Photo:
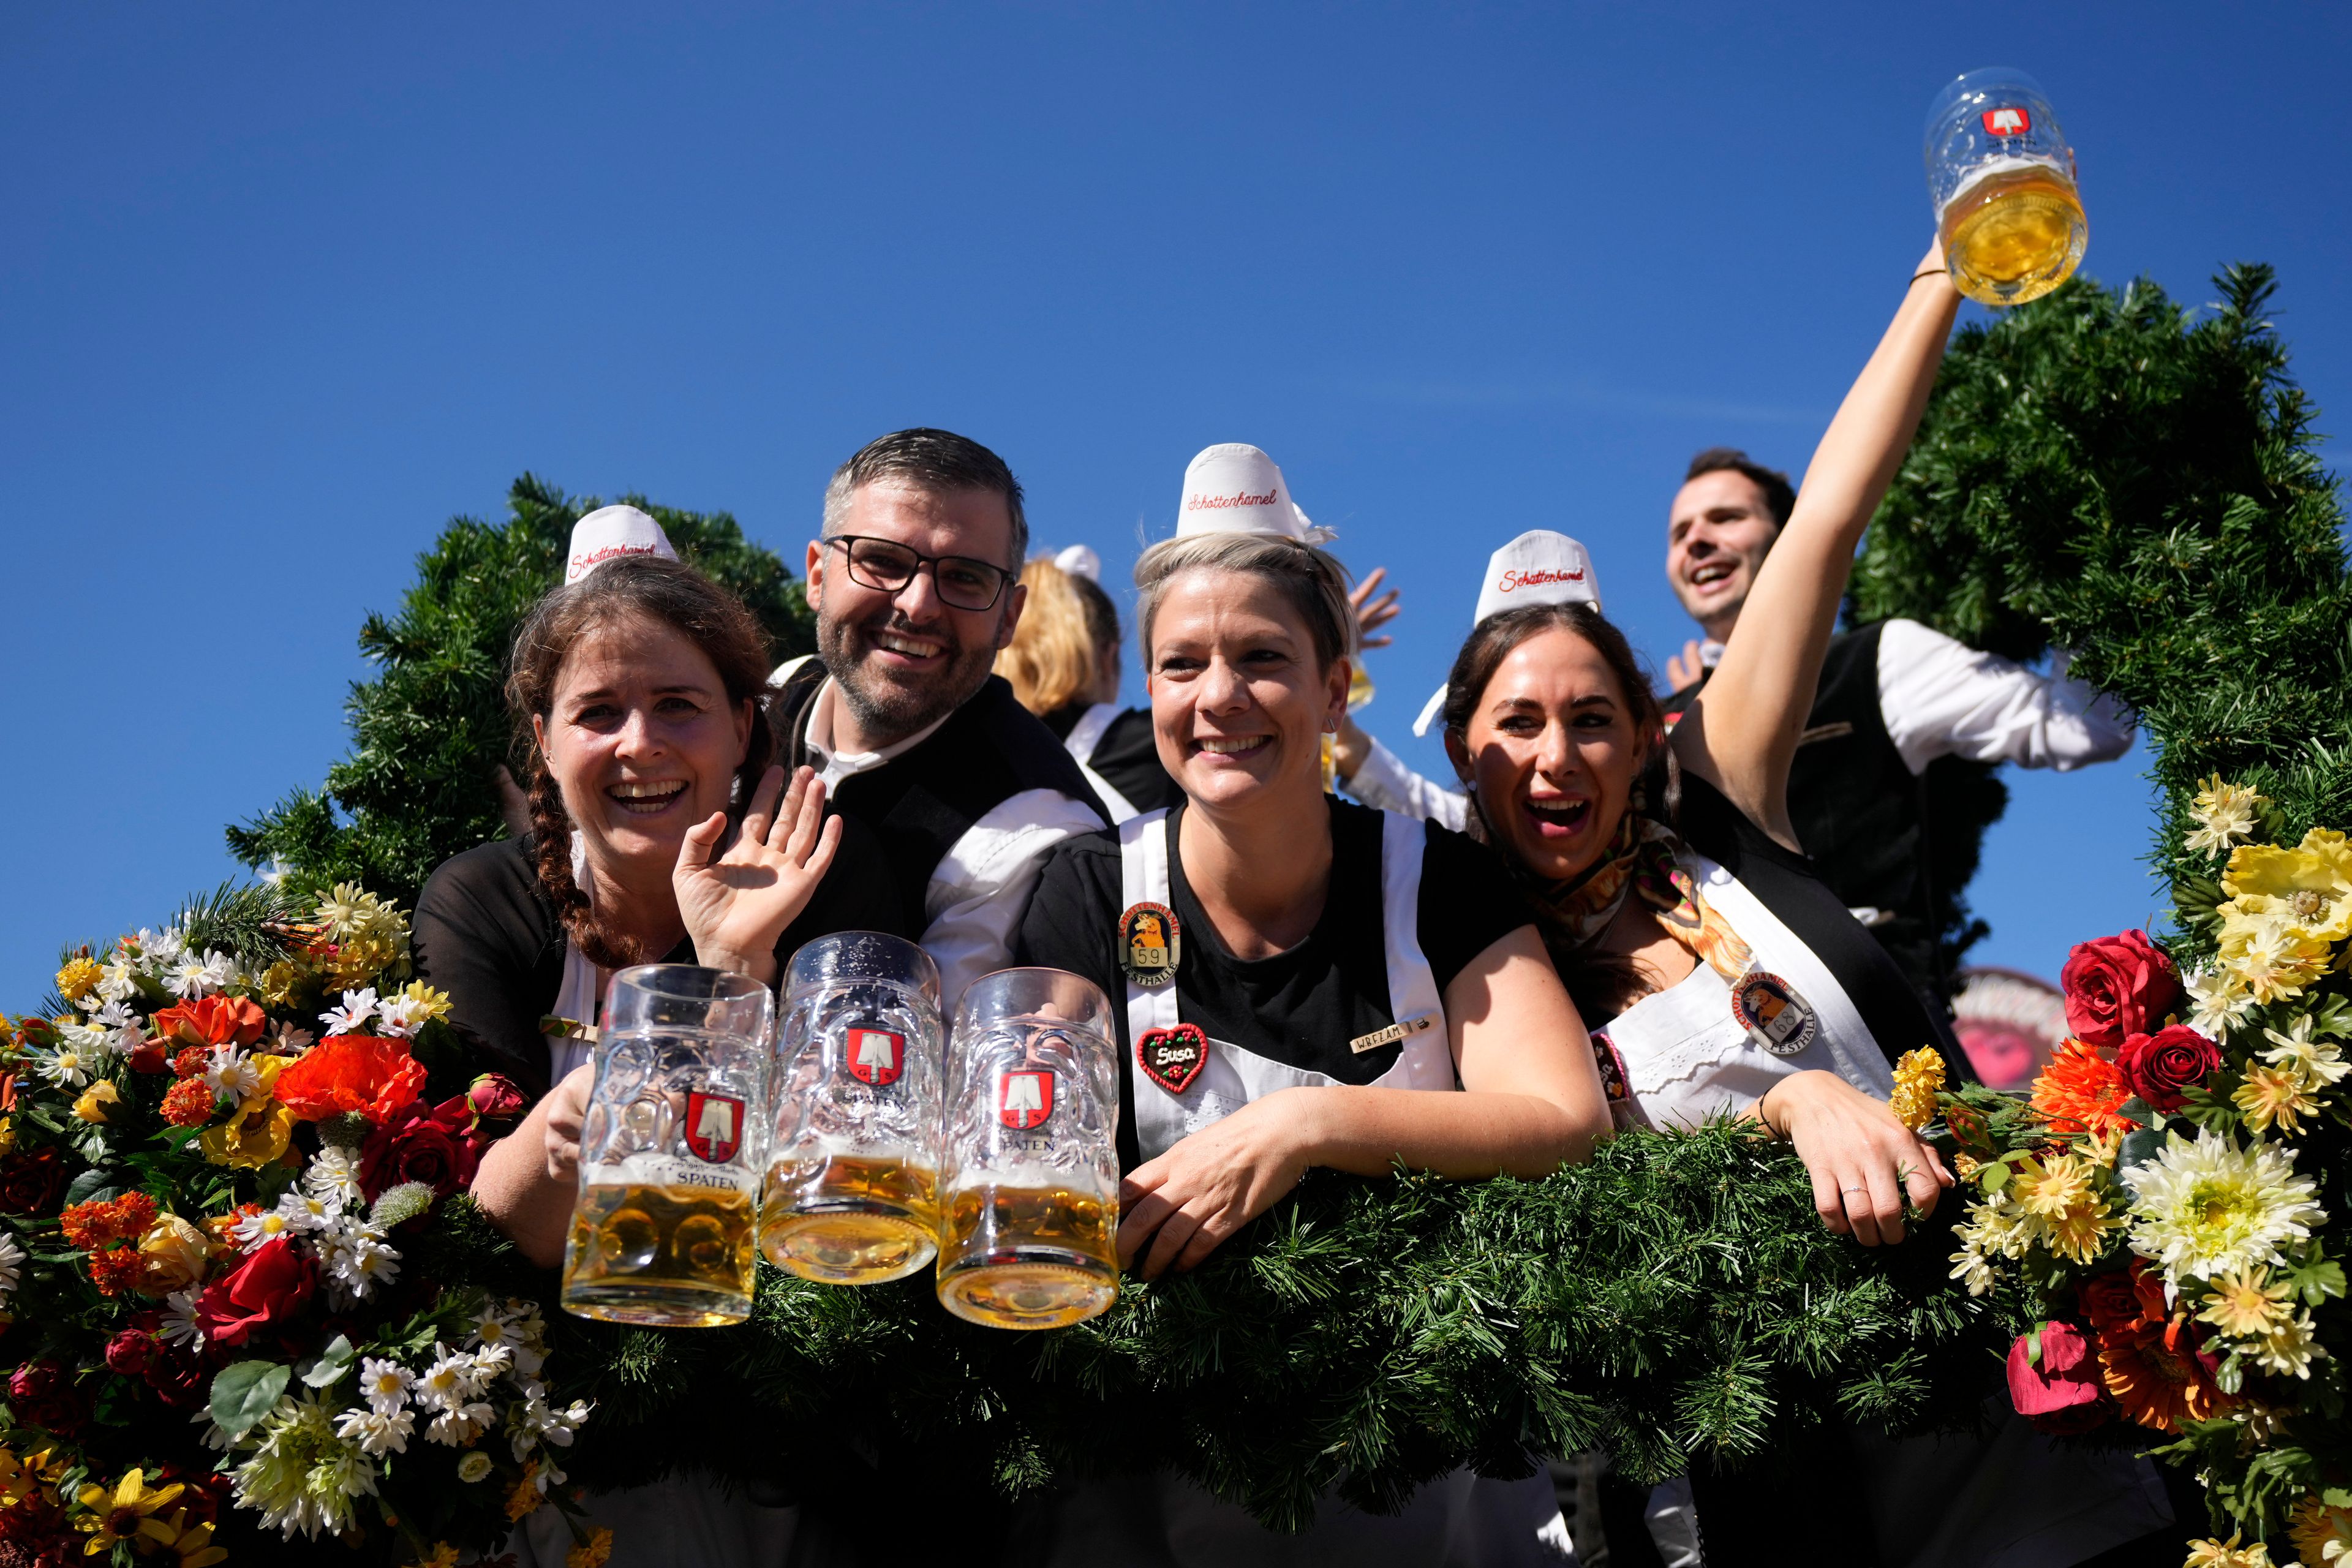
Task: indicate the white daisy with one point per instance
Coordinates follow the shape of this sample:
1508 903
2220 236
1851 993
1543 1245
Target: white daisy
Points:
333 1175
191 978
63 1068
352 1017
377 1431
231 1072
180 1325
460 1423
251 1230
385 1382
120 981
402 1016
157 947
306 1213
12 1261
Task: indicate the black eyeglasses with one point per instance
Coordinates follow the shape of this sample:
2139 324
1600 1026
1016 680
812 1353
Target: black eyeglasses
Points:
887 567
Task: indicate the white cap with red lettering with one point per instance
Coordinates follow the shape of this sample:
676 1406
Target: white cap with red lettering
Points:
1080 561
1236 488
609 533
1538 567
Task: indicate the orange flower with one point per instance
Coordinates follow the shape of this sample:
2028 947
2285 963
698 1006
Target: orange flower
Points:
2081 1091
2160 1375
189 1103
92 1226
213 1021
116 1271
350 1072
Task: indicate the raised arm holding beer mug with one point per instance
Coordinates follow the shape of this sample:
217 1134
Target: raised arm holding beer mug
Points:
2002 180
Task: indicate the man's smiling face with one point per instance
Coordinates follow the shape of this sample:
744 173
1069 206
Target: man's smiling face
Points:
1717 536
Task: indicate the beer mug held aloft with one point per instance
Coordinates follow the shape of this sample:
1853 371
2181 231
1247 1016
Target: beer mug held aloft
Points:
1031 1168
851 1188
669 1151
2001 178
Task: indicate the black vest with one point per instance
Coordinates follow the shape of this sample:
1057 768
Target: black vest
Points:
1859 812
920 802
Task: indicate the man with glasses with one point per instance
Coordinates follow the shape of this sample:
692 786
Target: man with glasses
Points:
916 587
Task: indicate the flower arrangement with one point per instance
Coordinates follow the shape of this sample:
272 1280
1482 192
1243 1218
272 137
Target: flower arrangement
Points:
215 1152
2164 1202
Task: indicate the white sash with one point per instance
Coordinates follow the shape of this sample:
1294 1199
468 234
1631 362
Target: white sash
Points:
1233 1077
1085 736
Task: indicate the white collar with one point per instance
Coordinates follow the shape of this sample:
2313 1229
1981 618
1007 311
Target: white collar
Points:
841 764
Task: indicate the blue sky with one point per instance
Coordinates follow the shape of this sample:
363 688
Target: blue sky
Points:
285 287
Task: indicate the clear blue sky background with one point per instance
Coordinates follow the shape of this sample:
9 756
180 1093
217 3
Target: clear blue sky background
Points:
284 287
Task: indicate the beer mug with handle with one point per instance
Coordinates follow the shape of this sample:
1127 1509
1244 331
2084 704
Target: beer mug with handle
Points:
853 1181
1030 1178
2002 180
669 1151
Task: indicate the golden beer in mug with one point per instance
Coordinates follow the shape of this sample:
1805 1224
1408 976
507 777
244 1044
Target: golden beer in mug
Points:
851 1195
2001 178
1030 1174
663 1228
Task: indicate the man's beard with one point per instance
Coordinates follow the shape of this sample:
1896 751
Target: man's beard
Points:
892 707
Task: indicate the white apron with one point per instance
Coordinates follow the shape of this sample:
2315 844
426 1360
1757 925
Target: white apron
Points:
1085 736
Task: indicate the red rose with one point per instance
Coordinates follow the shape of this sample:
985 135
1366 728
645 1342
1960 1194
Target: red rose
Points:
42 1393
131 1353
494 1097
435 1146
2159 1066
2110 1301
350 1072
2062 1392
270 1287
2116 987
28 1182
213 1021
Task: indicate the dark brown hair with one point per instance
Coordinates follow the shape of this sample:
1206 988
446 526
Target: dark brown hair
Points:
1598 984
937 460
637 587
1780 495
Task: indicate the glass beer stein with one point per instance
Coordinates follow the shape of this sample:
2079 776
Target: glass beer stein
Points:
851 1191
1031 1168
669 1151
2001 178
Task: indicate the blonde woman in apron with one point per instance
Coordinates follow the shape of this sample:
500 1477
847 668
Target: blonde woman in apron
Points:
1304 982
1722 978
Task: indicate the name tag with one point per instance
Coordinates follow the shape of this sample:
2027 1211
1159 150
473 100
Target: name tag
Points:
1391 1036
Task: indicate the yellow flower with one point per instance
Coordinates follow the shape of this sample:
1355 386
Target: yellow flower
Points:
7 1134
2246 1305
2227 1554
193 1543
20 1478
2273 956
283 984
2322 1535
2224 814
442 1555
2275 1095
2311 883
172 1255
96 1100
431 1004
125 1515
254 1137
525 1497
77 979
2290 1349
2070 1217
590 1553
1918 1079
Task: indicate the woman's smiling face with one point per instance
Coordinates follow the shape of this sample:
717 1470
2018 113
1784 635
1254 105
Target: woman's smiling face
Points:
1238 704
643 741
1552 752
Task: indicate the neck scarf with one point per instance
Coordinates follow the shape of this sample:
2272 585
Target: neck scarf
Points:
1642 858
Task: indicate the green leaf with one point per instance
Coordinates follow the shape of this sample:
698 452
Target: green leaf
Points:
2315 1278
2137 1149
246 1391
100 1181
327 1369
1992 1177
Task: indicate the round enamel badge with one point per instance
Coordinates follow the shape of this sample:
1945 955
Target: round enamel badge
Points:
1773 1012
1148 948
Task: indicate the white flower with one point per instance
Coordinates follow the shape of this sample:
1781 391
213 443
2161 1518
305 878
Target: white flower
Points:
179 1326
377 1430
356 1258
402 1016
448 1382
157 947
12 1261
251 1230
473 1465
535 1421
231 1072
2210 1207
385 1382
213 1437
460 1423
191 978
352 1017
2224 814
2222 1000
120 981
333 1175
491 1362
2317 1060
63 1068
289 1041
94 1047
305 1213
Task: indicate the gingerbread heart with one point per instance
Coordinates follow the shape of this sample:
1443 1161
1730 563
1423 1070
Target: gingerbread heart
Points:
1173 1058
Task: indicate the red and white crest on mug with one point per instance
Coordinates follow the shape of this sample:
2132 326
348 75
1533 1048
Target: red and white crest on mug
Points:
877 1056
2010 121
714 1126
1024 1098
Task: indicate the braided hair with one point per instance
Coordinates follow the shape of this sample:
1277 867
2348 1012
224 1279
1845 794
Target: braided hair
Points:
643 588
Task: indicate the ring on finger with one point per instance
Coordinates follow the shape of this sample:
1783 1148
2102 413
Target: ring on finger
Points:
1853 1189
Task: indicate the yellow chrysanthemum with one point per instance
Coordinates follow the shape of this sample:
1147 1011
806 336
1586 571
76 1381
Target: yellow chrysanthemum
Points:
431 1004
2228 1555
2247 1305
525 1497
126 1513
592 1552
2290 1349
283 983
2224 814
1918 1079
2322 1535
2070 1217
2274 957
2280 1097
2311 884
79 977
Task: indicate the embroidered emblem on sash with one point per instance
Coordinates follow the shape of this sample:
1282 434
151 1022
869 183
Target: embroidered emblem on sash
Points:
1173 1058
1615 1088
1391 1034
1147 943
1773 1013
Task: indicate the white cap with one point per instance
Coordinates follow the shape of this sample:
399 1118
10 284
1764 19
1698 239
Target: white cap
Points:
1236 488
1080 561
610 532
1538 567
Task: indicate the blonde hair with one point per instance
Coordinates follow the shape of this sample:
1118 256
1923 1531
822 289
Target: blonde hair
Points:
1315 584
1064 628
